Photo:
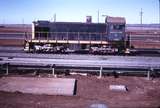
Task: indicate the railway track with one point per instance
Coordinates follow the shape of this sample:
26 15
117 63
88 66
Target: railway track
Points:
17 51
68 56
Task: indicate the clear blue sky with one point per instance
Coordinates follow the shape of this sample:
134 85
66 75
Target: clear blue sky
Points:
13 11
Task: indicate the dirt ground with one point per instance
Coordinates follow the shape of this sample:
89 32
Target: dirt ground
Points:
15 29
142 93
11 42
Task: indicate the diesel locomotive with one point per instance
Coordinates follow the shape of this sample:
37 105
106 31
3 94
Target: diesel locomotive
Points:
65 37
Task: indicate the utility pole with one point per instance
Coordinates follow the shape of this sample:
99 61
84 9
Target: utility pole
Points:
23 23
141 16
159 14
98 16
55 17
159 19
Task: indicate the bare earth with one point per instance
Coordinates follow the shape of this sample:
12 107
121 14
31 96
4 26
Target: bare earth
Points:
142 93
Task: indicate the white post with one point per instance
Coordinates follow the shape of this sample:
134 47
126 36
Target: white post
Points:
7 71
53 71
100 72
148 74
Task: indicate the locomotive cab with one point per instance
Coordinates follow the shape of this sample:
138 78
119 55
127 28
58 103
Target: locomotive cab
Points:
116 32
